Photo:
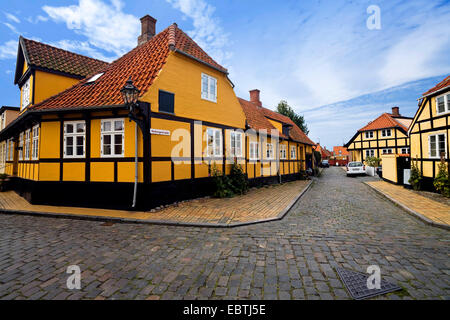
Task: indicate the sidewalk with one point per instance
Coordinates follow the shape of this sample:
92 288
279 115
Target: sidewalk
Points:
258 205
430 211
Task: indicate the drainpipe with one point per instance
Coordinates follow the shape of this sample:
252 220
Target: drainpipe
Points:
136 164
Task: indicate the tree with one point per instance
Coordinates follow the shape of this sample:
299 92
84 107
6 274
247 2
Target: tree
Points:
284 109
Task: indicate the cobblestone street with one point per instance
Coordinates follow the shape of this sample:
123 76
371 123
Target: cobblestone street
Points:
338 222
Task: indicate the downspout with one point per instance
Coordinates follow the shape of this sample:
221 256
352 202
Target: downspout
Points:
136 165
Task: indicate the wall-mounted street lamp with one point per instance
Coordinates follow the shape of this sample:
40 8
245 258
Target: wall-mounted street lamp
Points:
130 95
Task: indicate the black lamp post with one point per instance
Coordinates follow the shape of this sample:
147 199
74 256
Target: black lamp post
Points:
139 112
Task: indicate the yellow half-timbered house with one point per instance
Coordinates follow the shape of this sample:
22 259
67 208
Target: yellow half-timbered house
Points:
80 147
387 134
429 131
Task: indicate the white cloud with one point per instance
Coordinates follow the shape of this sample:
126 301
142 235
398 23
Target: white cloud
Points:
82 47
11 27
12 17
207 31
9 50
36 20
104 25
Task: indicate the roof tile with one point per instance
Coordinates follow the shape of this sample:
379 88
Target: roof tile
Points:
444 83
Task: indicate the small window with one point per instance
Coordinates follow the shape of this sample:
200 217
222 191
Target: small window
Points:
74 139
11 150
209 88
437 145
21 146
386 132
112 138
293 153
94 78
166 102
387 151
26 94
236 144
214 139
369 134
443 104
405 150
35 144
254 151
283 152
27 144
370 153
269 151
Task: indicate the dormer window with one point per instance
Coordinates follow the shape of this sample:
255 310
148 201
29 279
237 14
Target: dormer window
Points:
95 78
26 94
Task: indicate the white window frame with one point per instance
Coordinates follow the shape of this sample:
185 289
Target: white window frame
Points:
212 132
11 149
208 94
437 156
26 93
254 151
27 144
385 131
293 153
405 149
386 149
446 97
269 151
113 132
20 146
74 135
371 153
35 143
235 136
369 133
283 152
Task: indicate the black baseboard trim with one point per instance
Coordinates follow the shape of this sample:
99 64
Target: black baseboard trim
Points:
119 195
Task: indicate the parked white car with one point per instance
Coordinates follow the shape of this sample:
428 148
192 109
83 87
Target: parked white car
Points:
356 168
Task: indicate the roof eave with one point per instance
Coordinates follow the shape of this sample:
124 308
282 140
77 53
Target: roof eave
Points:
201 61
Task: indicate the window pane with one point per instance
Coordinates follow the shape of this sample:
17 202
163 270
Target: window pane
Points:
107 126
69 128
80 150
118 125
80 141
118 139
80 127
440 104
433 146
69 151
107 149
69 141
441 144
118 149
107 139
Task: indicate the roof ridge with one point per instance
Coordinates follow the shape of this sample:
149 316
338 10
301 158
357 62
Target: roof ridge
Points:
64 50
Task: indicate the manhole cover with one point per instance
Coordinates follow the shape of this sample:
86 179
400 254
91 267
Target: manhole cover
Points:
356 284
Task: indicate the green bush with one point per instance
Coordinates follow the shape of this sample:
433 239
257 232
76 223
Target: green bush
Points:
224 188
3 176
416 177
442 182
238 179
373 162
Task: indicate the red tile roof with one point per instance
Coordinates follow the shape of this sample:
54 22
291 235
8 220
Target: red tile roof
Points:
444 83
44 56
344 151
386 120
143 64
257 119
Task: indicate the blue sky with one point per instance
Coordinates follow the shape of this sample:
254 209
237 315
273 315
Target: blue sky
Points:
318 55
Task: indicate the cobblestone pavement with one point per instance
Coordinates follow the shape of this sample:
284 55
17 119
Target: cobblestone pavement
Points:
339 222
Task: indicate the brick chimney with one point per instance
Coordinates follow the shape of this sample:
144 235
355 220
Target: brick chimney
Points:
254 97
395 111
148 27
